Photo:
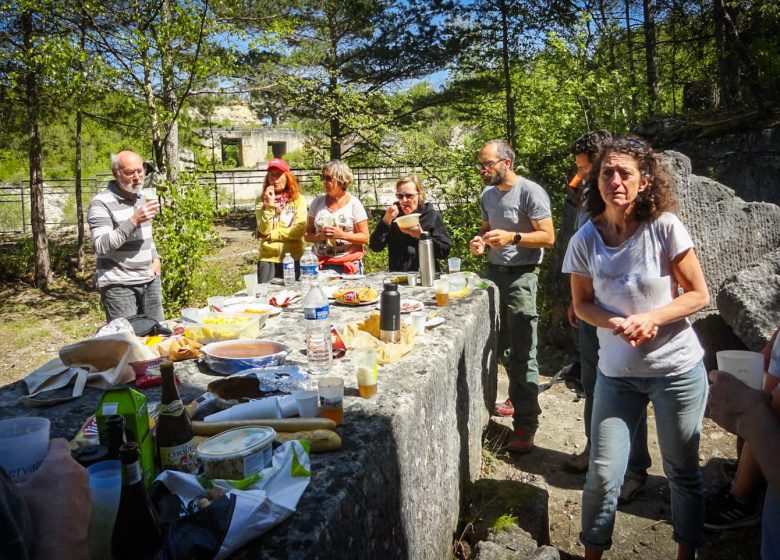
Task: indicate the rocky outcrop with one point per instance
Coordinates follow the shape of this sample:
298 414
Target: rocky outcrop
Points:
512 543
749 301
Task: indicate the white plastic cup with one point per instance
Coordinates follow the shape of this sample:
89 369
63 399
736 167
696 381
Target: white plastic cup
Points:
746 366
307 404
418 320
288 406
453 264
250 283
458 282
261 292
24 443
105 481
411 278
252 410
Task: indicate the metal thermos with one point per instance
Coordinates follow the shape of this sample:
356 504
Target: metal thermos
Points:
390 314
427 264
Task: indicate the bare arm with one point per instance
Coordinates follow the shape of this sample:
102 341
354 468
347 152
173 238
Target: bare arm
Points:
542 237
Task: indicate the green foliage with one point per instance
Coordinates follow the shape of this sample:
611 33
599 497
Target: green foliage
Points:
504 522
184 235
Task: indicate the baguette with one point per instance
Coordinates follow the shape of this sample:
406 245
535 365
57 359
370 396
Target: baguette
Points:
321 440
278 424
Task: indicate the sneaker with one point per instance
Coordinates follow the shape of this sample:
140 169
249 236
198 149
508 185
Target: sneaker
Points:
578 462
521 441
505 408
633 483
724 511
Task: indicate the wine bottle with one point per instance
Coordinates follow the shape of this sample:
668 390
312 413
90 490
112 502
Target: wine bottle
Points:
175 440
137 534
115 432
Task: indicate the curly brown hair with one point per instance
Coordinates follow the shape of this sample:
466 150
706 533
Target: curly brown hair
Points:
660 194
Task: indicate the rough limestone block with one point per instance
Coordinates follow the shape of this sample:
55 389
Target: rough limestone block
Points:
749 301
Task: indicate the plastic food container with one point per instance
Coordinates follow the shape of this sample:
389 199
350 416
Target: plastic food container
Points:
238 453
408 221
213 327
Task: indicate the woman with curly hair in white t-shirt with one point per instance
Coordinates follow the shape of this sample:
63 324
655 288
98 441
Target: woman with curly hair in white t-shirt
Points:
636 277
337 222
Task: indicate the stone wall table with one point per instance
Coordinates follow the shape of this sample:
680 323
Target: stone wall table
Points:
394 489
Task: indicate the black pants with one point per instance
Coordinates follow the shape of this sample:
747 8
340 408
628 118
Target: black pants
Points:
267 271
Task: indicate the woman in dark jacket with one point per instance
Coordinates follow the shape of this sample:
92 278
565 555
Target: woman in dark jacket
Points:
402 243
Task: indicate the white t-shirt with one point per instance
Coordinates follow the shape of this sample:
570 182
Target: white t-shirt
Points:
345 217
635 277
774 359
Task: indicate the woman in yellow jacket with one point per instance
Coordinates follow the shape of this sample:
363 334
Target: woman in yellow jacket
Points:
281 221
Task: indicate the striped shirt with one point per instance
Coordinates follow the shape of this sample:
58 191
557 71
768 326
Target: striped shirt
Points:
124 251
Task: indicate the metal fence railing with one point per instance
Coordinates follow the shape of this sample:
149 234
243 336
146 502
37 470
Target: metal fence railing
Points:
236 189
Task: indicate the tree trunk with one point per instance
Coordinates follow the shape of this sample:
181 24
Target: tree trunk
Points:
728 67
631 67
651 63
37 211
79 196
171 139
511 125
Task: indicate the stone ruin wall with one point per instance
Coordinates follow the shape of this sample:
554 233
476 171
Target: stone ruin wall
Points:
730 236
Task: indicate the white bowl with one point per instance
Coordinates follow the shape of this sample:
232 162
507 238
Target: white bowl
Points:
408 221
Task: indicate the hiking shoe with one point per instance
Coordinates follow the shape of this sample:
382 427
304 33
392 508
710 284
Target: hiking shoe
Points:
725 511
578 462
633 483
729 469
504 409
521 441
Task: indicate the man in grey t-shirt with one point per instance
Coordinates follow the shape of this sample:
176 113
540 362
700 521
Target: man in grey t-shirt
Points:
516 227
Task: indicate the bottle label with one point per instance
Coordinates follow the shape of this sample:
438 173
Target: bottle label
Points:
174 408
309 269
317 313
132 473
288 265
179 457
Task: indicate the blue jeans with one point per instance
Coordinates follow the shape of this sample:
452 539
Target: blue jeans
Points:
517 341
138 299
588 342
770 521
679 407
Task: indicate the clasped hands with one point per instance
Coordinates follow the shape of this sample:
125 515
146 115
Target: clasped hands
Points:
494 238
635 329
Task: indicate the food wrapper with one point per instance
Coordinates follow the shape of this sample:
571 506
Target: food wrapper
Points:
355 295
88 433
366 335
284 298
178 348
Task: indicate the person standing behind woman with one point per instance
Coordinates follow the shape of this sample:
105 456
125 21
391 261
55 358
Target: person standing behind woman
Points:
337 222
281 220
624 265
401 243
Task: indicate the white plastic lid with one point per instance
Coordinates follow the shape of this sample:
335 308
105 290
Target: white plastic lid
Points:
237 442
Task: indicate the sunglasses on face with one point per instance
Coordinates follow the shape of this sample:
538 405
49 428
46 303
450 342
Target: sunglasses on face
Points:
405 196
326 177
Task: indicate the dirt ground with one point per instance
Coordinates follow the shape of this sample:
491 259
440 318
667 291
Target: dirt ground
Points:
36 325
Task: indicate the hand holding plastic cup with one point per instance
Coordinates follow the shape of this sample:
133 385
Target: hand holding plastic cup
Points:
105 481
746 366
453 264
24 443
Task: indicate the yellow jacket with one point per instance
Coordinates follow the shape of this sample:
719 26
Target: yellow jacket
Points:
276 238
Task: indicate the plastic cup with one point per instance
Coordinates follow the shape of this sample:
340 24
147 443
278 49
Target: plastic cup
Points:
307 404
261 292
453 264
458 283
332 399
288 406
261 408
418 320
105 481
411 279
250 283
366 371
24 443
746 366
442 289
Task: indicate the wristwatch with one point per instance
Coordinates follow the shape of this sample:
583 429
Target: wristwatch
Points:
517 238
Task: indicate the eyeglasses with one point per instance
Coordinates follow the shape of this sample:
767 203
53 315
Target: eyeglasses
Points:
404 196
486 166
326 177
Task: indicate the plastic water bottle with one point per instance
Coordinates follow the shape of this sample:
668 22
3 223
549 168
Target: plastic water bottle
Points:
309 270
316 310
288 269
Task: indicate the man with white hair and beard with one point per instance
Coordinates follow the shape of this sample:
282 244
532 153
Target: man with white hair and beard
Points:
516 227
128 265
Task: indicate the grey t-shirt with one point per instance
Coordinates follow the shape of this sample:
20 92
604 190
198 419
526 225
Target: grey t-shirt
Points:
514 210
